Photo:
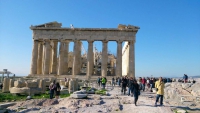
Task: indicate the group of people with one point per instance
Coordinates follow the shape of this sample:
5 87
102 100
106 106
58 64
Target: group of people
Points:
54 88
134 86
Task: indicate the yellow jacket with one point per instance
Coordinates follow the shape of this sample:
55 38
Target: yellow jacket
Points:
160 85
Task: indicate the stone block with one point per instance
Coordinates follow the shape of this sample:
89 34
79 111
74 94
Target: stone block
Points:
11 84
16 90
32 84
42 85
62 82
64 91
5 105
78 96
19 84
6 83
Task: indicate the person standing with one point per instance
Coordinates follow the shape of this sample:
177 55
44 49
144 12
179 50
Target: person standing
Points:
160 92
52 88
57 90
103 81
143 83
185 78
113 81
135 91
98 81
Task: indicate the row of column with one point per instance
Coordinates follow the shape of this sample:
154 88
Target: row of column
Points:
44 58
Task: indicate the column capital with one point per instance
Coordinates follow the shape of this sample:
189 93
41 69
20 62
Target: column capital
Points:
131 42
105 41
119 41
46 40
90 41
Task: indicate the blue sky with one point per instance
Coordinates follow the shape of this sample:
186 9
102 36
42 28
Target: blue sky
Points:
168 43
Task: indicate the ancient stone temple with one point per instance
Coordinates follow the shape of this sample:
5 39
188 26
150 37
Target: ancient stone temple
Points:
49 59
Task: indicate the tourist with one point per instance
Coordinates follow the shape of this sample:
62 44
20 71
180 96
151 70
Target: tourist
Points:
52 88
117 80
160 92
57 90
143 83
140 83
135 91
113 81
130 84
103 81
124 84
151 84
99 81
185 78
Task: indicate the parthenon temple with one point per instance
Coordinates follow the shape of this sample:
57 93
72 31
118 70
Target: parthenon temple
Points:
51 56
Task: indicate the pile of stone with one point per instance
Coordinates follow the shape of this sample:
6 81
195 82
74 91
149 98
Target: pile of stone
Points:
182 93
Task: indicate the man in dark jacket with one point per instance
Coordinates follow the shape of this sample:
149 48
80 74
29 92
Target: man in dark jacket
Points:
124 84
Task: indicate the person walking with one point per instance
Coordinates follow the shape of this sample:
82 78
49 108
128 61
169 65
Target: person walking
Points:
160 91
52 87
135 91
57 90
124 84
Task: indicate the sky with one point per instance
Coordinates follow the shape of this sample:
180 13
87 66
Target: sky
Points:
167 44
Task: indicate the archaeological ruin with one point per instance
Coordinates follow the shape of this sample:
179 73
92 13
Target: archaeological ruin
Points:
51 56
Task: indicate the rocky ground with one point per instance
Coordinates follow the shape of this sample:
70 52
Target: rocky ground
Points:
115 102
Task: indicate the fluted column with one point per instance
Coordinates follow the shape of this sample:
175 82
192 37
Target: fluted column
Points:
34 57
90 61
54 57
104 59
112 66
46 56
40 58
61 58
66 51
50 57
75 58
132 59
79 66
119 59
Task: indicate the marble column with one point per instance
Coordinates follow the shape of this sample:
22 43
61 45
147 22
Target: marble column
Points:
131 59
119 59
112 66
66 52
75 70
61 58
90 61
50 57
79 56
54 57
34 57
40 58
46 56
104 59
